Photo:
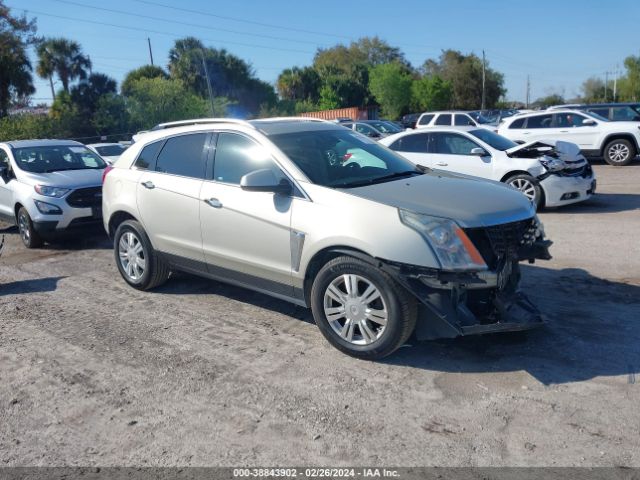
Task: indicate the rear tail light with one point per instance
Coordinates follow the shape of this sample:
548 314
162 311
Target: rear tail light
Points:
105 172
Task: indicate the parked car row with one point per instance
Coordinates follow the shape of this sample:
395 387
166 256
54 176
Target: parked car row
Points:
294 208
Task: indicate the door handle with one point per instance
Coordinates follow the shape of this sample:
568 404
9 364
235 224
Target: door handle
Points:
213 202
564 131
442 164
148 184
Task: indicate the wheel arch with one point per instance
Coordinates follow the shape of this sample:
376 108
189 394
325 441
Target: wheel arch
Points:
513 173
116 219
322 257
619 136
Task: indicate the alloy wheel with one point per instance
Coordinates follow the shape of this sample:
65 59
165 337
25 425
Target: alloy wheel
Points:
355 309
619 152
23 226
526 187
132 257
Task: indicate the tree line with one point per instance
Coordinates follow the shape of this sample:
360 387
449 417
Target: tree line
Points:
201 81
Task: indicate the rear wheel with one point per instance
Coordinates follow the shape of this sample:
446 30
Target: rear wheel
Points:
529 186
360 309
619 152
28 233
137 261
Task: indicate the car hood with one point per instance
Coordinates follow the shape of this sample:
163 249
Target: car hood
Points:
567 151
65 179
470 201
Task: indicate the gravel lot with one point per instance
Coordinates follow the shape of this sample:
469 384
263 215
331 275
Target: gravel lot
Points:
200 373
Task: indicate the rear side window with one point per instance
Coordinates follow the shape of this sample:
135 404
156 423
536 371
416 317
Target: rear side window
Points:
519 123
425 119
540 121
411 143
604 112
452 144
183 156
443 119
237 155
463 121
147 158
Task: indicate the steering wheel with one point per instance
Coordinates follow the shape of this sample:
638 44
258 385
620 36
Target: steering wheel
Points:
332 157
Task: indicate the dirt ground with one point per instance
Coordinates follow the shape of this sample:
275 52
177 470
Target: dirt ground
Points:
199 373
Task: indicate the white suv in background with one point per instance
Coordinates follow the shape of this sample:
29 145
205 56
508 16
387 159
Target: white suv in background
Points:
449 119
617 142
547 174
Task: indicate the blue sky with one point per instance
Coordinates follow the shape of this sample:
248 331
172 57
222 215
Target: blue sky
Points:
558 43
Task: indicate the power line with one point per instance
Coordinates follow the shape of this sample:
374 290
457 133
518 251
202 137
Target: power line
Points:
158 32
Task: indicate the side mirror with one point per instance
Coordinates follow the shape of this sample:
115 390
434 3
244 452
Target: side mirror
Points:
480 152
265 181
587 122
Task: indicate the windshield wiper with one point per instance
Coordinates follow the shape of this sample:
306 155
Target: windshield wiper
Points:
382 179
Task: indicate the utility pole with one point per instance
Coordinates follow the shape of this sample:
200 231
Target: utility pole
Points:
484 67
606 84
528 92
615 84
150 52
206 74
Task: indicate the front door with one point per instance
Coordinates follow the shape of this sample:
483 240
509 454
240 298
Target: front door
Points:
452 152
168 195
570 127
246 235
6 194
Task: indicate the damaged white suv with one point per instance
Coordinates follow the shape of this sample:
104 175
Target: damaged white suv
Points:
324 217
549 173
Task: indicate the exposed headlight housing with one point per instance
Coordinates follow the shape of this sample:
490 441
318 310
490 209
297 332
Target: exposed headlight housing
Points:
553 164
47 208
48 191
452 247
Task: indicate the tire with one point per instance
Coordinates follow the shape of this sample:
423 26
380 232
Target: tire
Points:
137 261
529 186
369 339
30 238
619 152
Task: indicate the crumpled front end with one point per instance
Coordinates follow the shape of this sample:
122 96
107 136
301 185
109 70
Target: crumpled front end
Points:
465 303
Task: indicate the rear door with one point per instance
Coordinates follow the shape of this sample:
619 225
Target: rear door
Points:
463 120
414 147
168 193
443 120
452 151
246 235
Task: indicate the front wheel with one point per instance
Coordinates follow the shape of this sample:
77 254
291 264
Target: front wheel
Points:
137 261
619 152
529 186
28 234
360 309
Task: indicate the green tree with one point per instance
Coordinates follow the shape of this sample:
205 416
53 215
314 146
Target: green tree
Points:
593 90
16 33
299 84
464 73
549 100
629 84
146 71
329 98
156 100
230 76
64 58
110 116
430 93
390 85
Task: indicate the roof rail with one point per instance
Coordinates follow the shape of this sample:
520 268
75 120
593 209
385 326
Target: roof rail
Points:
308 119
200 121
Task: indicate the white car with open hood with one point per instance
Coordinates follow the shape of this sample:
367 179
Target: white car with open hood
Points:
549 173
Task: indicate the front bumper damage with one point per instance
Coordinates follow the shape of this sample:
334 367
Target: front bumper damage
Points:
467 303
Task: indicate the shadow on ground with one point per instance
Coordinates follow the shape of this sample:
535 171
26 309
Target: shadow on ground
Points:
39 285
592 330
602 203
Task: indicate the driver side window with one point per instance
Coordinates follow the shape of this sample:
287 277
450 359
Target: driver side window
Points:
237 155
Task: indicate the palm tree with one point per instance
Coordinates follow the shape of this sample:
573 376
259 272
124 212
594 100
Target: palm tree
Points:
64 58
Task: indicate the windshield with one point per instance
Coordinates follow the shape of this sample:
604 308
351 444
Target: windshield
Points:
111 150
57 158
596 116
342 159
493 139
